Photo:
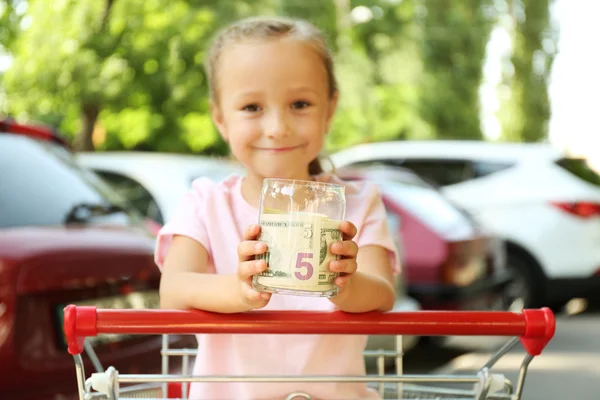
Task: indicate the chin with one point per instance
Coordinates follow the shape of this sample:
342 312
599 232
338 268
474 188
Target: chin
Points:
281 173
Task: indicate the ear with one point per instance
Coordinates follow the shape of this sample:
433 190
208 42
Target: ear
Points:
333 102
217 117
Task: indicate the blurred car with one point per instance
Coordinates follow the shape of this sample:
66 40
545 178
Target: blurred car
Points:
449 261
543 203
154 182
157 192
65 238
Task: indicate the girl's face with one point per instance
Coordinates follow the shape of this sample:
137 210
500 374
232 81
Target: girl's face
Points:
273 106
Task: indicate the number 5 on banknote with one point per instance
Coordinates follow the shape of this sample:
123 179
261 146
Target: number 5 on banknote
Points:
304 269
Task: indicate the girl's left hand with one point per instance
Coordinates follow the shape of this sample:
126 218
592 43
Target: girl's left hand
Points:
347 250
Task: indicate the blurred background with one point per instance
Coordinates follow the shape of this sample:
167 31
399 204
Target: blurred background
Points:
476 118
127 75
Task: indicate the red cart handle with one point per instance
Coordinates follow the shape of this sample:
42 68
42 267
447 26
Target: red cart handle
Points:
535 327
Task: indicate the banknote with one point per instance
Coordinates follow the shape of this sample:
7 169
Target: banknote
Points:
299 251
330 233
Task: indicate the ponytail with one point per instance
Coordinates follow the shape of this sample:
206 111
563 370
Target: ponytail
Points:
315 167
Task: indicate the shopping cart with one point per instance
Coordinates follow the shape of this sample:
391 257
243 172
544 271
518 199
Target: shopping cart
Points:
533 328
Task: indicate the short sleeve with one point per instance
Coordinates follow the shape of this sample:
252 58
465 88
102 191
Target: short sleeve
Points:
186 221
373 229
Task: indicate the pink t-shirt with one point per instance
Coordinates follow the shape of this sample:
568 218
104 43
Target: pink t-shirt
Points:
216 215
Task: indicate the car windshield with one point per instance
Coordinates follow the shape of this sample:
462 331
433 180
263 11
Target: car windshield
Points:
429 206
42 185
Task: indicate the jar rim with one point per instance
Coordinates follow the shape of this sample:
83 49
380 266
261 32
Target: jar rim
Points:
303 182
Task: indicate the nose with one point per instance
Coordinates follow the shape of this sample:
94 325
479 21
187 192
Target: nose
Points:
276 125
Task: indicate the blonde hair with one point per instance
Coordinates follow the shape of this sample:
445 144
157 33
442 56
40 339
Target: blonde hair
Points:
268 28
264 28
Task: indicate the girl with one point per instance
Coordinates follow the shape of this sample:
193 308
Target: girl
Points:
273 95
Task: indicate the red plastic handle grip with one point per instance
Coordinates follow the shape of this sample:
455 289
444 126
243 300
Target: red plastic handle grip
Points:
535 327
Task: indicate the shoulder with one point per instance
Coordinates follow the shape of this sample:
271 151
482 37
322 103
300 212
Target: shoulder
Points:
206 188
205 194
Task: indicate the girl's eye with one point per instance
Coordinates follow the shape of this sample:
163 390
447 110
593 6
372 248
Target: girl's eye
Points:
299 105
251 108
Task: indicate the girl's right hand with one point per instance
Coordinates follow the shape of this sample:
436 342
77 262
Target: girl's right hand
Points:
248 266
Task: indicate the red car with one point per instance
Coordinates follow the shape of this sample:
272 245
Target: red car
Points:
64 238
448 262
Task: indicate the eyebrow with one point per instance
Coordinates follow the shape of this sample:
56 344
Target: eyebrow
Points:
247 93
304 89
255 93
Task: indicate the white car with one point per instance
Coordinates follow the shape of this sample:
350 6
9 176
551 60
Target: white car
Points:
155 183
543 203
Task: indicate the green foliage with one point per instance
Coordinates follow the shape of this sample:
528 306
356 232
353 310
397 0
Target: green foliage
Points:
454 39
526 113
130 72
9 22
391 43
139 61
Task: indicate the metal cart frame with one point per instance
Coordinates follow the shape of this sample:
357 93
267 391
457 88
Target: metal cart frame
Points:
533 328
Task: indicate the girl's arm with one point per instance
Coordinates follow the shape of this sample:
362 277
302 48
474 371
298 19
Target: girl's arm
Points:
186 284
371 287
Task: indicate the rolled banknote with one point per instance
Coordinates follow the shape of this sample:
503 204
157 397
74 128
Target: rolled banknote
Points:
298 254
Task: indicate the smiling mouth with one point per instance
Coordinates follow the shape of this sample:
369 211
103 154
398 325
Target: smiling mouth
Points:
279 149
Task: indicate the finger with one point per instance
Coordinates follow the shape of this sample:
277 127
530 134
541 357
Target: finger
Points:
249 248
346 248
348 230
252 295
342 281
252 232
248 268
265 296
249 293
347 266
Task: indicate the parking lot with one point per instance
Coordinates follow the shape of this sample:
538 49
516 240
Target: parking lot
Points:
568 368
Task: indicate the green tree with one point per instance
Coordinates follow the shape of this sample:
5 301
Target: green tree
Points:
455 35
10 19
128 74
526 112
130 68
391 41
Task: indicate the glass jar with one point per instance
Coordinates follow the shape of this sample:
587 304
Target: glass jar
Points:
299 221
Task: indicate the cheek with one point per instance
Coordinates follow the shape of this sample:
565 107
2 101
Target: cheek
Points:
242 132
317 145
312 127
237 124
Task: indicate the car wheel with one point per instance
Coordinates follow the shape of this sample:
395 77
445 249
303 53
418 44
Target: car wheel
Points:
557 306
525 289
